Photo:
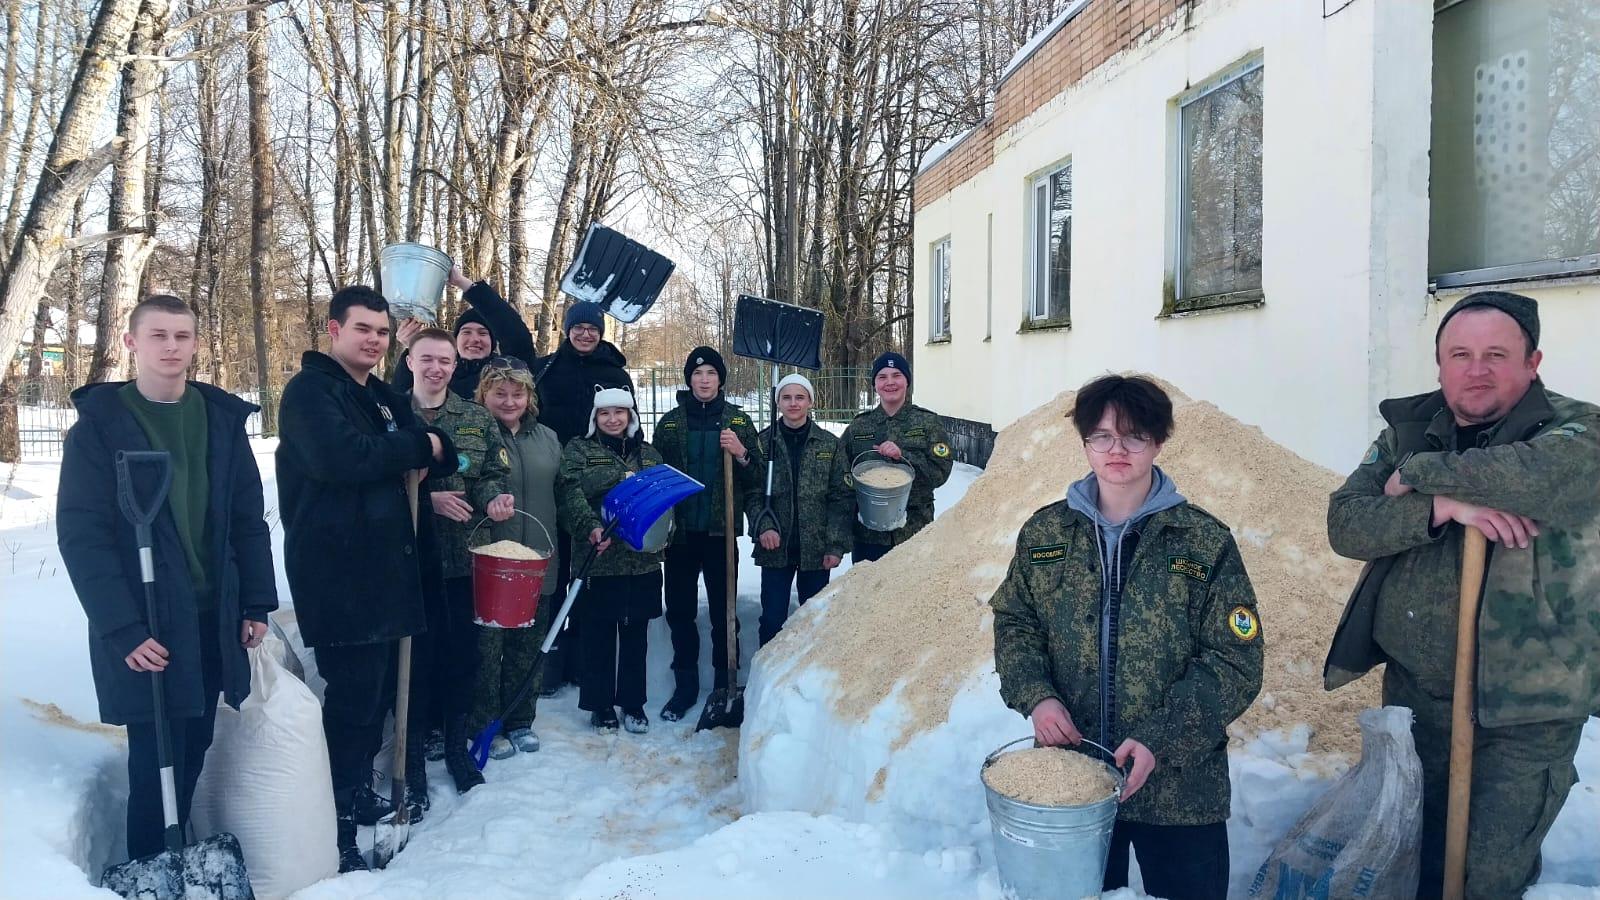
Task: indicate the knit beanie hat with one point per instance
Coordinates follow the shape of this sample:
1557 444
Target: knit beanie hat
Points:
705 356
1524 310
584 313
798 379
609 397
473 317
891 360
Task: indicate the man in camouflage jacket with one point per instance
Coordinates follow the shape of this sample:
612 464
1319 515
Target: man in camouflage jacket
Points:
903 432
1496 450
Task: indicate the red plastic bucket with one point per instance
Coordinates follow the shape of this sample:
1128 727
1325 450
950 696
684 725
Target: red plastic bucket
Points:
505 592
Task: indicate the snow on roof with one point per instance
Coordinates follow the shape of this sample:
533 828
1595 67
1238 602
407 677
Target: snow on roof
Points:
1037 41
940 150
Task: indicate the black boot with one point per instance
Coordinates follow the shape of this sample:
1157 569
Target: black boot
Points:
434 745
416 783
349 854
684 695
604 719
456 758
367 807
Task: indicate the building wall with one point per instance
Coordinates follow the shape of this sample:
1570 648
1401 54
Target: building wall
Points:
1347 319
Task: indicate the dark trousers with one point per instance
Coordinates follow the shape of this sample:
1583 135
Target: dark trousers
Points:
191 738
860 552
564 665
775 584
444 659
360 693
615 640
1178 862
697 555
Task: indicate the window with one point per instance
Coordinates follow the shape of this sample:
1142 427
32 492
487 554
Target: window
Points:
1050 262
939 290
1515 183
1219 195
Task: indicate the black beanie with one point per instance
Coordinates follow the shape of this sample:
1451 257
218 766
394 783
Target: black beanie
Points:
1523 310
705 356
585 313
892 360
473 317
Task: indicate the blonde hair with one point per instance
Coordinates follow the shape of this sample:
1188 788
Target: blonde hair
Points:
493 375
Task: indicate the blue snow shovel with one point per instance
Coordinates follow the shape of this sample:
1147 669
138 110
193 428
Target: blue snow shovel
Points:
212 869
630 509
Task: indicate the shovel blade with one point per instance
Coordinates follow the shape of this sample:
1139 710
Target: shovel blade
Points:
723 709
212 869
389 837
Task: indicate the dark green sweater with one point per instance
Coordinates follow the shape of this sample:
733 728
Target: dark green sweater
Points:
180 429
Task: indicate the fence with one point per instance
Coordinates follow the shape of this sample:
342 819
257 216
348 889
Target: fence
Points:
45 412
841 393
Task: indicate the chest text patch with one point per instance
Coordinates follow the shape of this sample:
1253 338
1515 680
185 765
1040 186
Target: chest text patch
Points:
469 431
1044 556
1186 566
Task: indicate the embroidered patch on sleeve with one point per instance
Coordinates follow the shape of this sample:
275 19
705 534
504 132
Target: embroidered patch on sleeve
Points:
941 450
1372 455
1242 622
1043 556
505 458
462 462
1185 566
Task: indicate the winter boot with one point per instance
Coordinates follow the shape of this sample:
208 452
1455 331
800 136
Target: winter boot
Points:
604 720
635 721
524 740
501 748
684 695
367 807
435 745
416 783
349 854
456 758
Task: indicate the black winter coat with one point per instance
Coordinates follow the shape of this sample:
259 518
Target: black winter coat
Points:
567 380
511 338
102 557
357 573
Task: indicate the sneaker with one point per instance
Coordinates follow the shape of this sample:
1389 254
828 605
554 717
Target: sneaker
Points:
368 807
524 740
500 748
635 721
435 745
604 720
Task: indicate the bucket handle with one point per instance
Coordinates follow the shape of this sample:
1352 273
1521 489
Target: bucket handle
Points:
892 462
1122 777
548 540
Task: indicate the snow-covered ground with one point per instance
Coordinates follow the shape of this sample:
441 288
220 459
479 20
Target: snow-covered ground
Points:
590 816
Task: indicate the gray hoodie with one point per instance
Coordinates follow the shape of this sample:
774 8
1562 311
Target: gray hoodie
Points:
1084 497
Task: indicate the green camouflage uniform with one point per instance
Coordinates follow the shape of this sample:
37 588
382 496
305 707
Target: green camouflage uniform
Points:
482 465
1538 654
825 503
588 470
671 438
1189 647
924 446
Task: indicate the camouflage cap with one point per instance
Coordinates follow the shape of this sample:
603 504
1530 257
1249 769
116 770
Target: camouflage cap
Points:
1524 310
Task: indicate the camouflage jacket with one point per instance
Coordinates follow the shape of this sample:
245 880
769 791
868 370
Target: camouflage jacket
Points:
1189 647
818 510
671 437
481 468
588 470
926 448
1539 626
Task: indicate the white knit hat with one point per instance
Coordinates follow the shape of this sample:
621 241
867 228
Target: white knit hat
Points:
608 397
799 379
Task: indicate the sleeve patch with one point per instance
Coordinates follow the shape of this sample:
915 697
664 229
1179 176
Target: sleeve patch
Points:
1043 556
463 462
1182 565
505 458
1372 455
941 450
1242 622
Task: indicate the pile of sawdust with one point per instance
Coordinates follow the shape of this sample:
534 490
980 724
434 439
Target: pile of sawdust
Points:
885 478
1050 776
920 616
508 550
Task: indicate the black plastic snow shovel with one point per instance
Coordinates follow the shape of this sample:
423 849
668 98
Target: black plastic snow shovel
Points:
617 272
212 869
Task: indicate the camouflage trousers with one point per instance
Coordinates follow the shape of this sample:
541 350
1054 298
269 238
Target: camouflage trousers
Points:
505 655
1520 778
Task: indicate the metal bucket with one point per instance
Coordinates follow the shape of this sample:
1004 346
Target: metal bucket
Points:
505 592
881 509
1050 852
414 277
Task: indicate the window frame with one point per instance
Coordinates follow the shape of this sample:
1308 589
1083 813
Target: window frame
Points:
1175 302
1041 181
939 291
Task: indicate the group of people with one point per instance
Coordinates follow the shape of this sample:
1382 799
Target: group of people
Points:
1127 618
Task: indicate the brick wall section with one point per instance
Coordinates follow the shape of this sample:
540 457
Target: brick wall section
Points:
1101 30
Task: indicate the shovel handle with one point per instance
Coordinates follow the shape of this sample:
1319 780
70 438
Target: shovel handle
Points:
731 546
1474 557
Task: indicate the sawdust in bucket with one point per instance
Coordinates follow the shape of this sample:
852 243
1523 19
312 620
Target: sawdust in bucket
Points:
885 477
508 550
917 625
1049 776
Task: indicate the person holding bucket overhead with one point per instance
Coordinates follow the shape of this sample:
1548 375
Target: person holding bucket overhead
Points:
693 437
623 592
505 655
489 325
901 432
806 533
1127 618
447 654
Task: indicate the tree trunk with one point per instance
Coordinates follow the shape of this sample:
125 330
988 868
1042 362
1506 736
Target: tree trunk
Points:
10 428
71 349
261 210
30 132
